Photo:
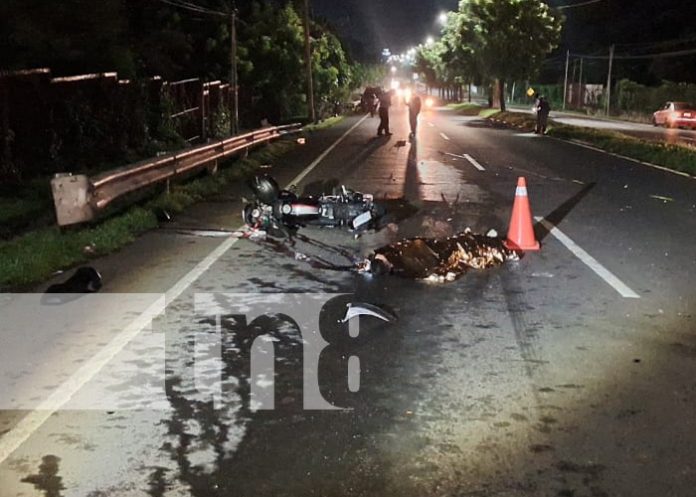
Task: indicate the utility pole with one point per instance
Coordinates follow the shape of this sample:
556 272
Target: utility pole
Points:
580 88
611 62
572 79
308 63
233 71
565 81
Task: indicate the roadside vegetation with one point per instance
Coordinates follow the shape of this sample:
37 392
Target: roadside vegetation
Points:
490 43
39 254
676 157
86 128
326 123
466 109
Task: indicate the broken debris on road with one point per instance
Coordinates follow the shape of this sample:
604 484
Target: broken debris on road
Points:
439 260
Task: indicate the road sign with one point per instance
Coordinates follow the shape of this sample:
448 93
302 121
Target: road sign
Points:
530 92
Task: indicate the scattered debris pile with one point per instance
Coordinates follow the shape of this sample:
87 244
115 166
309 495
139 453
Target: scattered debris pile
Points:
439 260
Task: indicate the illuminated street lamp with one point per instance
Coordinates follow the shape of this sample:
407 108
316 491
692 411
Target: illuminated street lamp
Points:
429 40
442 18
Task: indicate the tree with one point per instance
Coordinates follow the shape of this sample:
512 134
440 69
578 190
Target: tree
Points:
332 72
510 38
426 64
70 36
271 68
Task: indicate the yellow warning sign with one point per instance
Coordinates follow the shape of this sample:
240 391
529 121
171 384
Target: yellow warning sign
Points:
531 92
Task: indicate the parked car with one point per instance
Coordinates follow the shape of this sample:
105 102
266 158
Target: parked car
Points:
676 115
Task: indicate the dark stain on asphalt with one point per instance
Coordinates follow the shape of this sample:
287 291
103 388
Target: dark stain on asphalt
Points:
266 285
47 479
628 413
157 482
541 448
684 349
519 417
525 335
594 470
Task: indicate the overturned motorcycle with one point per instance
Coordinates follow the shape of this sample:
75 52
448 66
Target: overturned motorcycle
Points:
276 210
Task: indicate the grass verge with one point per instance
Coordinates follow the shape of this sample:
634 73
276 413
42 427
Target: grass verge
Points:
37 255
676 157
326 123
466 109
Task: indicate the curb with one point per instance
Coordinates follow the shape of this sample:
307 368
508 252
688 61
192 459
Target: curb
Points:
589 146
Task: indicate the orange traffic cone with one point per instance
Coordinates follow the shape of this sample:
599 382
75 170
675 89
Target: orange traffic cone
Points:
521 232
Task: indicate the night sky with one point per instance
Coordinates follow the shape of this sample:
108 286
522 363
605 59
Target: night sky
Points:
635 26
371 25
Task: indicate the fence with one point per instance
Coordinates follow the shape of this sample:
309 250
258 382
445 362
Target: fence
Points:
628 98
75 123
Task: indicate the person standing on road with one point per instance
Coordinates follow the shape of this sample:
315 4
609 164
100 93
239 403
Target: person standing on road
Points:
543 109
414 108
384 104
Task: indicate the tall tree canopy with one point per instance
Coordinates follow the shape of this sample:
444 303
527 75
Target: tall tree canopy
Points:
491 39
139 38
511 37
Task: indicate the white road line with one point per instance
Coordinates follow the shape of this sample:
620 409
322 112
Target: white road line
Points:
20 433
13 439
474 162
431 124
444 136
649 164
590 261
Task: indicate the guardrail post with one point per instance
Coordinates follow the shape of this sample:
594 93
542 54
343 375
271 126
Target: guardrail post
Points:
72 198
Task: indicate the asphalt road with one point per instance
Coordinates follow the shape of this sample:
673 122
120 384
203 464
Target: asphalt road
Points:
639 130
571 373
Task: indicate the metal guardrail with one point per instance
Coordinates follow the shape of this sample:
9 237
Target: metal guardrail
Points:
79 198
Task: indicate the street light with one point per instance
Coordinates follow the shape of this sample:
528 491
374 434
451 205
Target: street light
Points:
429 40
442 18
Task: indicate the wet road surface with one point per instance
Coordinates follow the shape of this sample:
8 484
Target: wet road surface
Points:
536 378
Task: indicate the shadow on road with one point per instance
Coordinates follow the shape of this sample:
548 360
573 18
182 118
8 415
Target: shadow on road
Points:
562 211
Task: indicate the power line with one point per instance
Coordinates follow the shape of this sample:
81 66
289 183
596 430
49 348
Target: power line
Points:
582 4
655 44
195 8
676 53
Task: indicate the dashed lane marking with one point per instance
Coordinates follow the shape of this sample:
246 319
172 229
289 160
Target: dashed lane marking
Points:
474 162
444 136
467 157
